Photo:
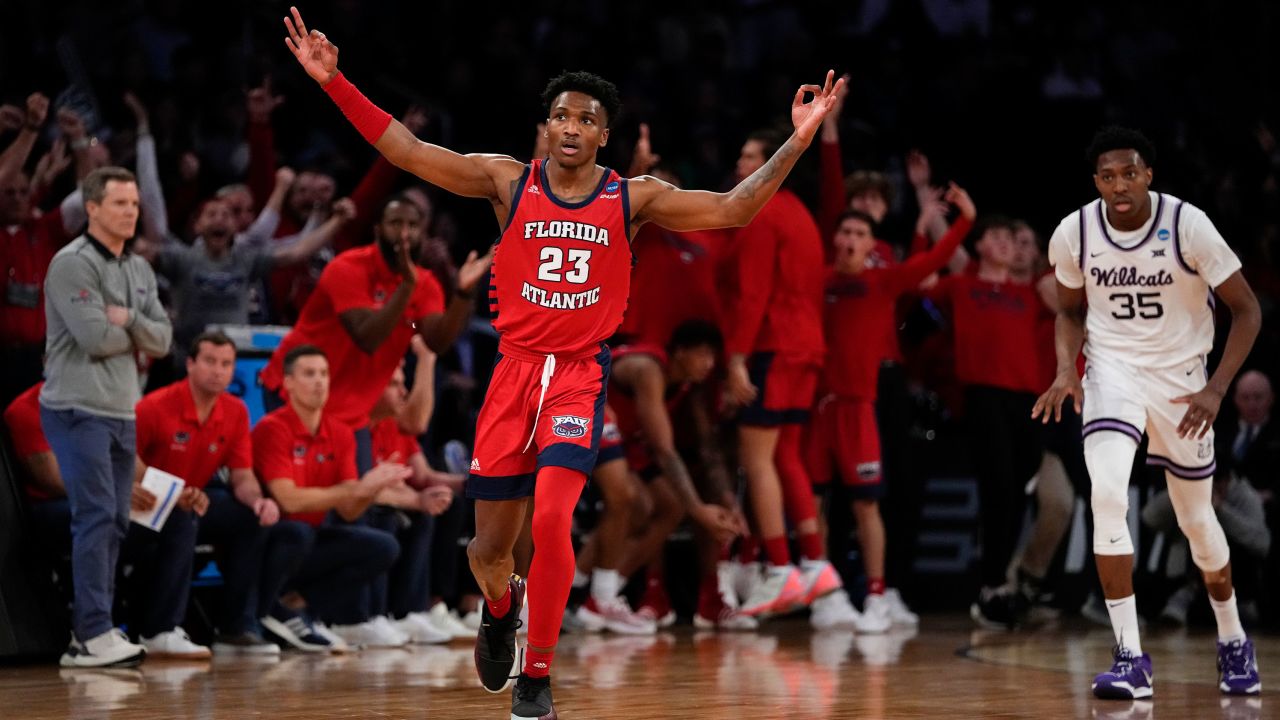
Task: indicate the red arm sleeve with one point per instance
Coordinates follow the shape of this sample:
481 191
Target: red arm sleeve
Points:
262 162
919 243
831 199
755 260
272 456
374 187
920 266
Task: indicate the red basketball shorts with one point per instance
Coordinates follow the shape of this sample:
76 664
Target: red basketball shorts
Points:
784 389
843 439
514 438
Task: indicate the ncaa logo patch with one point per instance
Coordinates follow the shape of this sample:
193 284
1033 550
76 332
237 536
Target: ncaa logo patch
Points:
611 187
569 426
1164 235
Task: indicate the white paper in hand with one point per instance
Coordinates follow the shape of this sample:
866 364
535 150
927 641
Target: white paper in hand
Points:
166 488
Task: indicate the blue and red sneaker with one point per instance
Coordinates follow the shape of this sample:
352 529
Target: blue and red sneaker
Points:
1238 668
1128 679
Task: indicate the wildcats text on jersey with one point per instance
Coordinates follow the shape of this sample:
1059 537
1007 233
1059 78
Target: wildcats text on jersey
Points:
560 300
566 230
1129 277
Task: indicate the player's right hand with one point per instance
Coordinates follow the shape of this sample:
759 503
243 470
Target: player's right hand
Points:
142 499
314 52
1066 384
717 520
738 387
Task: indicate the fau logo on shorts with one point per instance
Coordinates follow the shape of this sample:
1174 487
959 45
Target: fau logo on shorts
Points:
569 426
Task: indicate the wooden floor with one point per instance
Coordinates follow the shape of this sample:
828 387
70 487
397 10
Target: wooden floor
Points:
786 671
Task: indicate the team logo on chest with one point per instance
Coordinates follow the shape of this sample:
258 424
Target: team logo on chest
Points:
569 426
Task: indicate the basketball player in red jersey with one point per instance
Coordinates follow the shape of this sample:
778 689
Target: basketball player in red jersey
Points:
559 288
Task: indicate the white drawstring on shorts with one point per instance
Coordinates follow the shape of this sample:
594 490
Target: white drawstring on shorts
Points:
548 369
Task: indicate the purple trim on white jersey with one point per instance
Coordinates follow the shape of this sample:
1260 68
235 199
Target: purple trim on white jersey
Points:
1177 244
1119 426
1083 235
1102 221
1186 473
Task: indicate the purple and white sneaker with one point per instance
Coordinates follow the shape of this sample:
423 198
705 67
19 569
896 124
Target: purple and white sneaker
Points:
1128 679
1238 668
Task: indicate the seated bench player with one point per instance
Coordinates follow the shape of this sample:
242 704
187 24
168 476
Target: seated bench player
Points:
48 510
307 459
408 513
191 429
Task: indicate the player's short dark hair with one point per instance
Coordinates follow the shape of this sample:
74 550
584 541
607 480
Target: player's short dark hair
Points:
216 338
862 182
588 84
694 334
770 140
1114 137
94 185
852 214
992 221
402 199
291 358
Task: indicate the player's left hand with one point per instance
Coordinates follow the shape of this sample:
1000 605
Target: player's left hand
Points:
807 116
193 499
267 510
1201 411
473 269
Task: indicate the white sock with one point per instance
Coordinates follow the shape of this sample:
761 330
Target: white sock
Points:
1229 627
580 579
1124 622
605 584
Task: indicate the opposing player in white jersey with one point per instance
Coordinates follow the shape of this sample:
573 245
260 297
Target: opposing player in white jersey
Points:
1147 266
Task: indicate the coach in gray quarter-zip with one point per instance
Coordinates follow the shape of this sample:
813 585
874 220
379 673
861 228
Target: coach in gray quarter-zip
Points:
101 309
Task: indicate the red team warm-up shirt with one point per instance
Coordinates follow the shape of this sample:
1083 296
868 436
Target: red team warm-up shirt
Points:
859 315
172 438
674 280
995 331
357 278
562 271
283 448
22 418
777 301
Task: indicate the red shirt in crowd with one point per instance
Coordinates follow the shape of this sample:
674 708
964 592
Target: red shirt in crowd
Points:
859 314
172 438
25 253
390 444
673 281
777 301
22 418
283 448
995 331
358 278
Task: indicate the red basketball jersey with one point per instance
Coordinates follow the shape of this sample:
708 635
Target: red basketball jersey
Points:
562 272
623 401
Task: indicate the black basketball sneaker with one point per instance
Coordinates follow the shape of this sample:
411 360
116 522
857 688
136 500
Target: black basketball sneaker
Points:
497 657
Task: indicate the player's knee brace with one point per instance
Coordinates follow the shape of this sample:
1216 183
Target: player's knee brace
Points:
1193 504
1110 458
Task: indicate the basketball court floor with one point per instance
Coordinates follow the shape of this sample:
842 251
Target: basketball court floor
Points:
945 670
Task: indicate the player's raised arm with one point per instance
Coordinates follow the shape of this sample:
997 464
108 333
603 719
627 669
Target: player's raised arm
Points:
676 209
467 175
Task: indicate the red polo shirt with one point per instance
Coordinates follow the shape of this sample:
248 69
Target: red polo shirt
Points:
995 331
358 278
284 449
391 445
172 438
25 253
22 417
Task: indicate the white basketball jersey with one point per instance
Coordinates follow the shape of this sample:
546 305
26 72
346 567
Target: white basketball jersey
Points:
1149 291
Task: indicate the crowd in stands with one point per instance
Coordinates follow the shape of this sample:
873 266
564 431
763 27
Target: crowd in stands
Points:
872 290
